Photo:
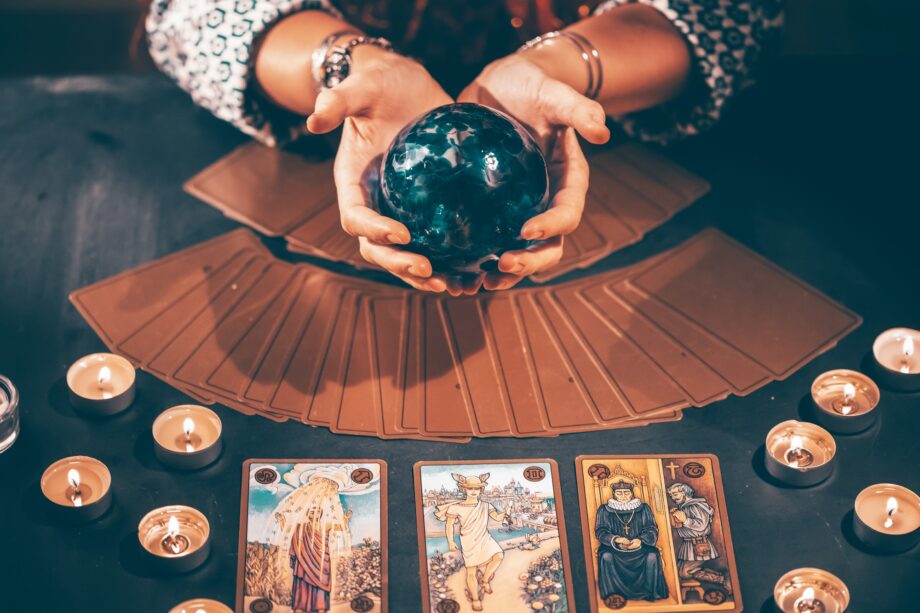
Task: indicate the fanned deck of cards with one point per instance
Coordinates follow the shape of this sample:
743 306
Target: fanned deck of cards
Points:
225 321
283 193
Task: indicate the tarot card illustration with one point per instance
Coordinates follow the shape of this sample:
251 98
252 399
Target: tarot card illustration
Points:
313 536
492 537
656 534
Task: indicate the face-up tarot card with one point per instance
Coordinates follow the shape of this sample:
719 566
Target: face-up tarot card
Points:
656 534
492 537
313 536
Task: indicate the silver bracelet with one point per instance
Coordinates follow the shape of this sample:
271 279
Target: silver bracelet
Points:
588 53
336 65
319 55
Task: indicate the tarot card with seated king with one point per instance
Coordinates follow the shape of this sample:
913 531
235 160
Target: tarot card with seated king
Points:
492 537
656 534
313 537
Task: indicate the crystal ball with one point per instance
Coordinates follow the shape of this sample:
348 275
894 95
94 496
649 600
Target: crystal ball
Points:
463 178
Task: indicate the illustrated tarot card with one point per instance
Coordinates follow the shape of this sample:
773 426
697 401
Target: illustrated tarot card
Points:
656 534
313 536
492 537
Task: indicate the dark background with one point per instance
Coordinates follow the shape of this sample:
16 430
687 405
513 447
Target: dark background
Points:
816 169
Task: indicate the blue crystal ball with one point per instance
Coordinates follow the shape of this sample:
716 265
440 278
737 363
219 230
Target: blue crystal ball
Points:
463 178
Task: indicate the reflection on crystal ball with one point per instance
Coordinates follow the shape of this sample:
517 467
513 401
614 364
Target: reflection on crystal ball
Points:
463 178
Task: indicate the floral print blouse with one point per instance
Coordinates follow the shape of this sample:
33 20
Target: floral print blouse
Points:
206 46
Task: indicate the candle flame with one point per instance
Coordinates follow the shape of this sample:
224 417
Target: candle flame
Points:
891 507
849 391
908 346
73 478
808 594
795 442
105 375
172 526
188 426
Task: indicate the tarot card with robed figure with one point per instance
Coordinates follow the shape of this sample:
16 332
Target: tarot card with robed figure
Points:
313 536
492 537
656 534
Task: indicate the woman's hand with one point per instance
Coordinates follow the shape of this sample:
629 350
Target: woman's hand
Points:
383 93
519 86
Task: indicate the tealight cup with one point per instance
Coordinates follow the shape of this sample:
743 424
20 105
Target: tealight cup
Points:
78 488
886 518
897 359
201 605
175 538
101 384
9 414
811 590
845 401
187 437
799 453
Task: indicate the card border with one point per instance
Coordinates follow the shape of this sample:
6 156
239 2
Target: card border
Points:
244 521
591 580
420 519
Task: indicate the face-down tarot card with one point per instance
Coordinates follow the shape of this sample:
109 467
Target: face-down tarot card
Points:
313 536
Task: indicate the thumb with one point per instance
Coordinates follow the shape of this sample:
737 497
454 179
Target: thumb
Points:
353 96
564 106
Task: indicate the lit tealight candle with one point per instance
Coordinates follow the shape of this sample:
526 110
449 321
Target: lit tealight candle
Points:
897 358
201 605
886 517
79 488
187 436
845 400
175 538
810 590
101 384
799 453
9 414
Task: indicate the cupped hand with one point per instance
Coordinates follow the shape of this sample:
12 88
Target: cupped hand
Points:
383 93
554 112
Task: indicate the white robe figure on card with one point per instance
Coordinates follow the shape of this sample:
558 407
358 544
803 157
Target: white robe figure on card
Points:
481 552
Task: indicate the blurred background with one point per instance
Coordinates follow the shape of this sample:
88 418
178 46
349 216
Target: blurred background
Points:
95 36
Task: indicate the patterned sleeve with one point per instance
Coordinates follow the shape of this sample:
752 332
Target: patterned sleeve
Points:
206 47
727 39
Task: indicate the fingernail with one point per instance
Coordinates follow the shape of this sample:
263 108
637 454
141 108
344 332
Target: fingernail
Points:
531 234
396 238
419 271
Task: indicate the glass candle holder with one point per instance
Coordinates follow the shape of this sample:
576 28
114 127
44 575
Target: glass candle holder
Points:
9 414
845 401
79 488
201 605
811 590
897 359
187 436
175 538
101 384
886 517
799 453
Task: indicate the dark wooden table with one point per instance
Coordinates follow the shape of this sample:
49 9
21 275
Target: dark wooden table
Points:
811 170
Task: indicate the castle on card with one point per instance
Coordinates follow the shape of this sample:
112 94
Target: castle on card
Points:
524 508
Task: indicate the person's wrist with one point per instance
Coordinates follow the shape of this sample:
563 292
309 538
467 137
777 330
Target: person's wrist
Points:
559 59
368 56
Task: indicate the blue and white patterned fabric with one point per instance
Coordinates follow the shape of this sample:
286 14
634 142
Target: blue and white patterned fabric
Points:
727 40
206 46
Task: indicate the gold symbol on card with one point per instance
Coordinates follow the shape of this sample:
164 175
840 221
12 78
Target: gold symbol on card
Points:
534 473
361 475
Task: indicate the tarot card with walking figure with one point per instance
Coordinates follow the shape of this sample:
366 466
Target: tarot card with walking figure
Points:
492 537
656 534
313 536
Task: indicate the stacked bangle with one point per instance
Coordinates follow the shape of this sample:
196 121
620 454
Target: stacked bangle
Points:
318 58
588 53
